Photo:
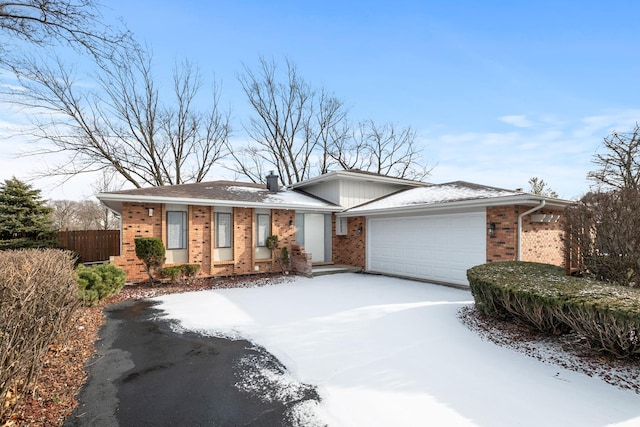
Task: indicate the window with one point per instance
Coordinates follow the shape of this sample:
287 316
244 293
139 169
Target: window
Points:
176 230
223 230
263 229
300 229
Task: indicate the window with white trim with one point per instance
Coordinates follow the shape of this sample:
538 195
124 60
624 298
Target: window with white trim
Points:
223 236
176 230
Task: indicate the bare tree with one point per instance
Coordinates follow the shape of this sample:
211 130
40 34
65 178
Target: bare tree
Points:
108 181
297 130
383 149
122 125
63 215
85 214
619 163
540 187
40 22
291 122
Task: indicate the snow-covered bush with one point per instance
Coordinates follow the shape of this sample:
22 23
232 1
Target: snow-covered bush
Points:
541 295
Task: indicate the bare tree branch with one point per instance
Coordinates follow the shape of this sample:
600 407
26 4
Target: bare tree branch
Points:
75 23
619 164
292 122
121 125
298 131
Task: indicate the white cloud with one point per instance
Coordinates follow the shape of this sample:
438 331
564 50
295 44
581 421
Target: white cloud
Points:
519 120
558 151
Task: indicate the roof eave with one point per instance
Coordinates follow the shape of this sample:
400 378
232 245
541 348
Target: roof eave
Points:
462 204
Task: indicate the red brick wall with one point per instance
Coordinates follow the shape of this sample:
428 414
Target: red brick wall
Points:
243 240
199 245
350 249
541 242
136 222
503 246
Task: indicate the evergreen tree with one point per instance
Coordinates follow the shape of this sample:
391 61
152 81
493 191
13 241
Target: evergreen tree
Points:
25 220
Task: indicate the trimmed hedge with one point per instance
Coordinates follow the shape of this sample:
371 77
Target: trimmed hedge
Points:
543 296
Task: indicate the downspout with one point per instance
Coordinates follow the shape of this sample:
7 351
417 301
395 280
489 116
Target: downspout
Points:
522 215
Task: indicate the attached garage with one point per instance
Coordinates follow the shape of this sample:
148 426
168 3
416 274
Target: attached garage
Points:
437 248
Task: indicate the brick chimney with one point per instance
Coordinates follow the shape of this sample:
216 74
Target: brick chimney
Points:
272 182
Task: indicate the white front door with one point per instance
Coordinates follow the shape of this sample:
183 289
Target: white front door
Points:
314 236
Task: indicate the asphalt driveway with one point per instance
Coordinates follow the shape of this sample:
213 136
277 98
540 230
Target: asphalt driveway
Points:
145 374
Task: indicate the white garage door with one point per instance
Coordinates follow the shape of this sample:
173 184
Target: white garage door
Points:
434 247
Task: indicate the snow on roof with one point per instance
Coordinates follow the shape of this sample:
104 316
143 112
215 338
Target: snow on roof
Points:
229 193
435 194
291 197
241 188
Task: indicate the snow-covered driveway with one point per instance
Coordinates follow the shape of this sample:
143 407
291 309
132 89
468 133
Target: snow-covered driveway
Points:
390 352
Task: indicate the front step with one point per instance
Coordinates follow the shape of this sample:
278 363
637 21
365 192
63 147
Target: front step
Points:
322 270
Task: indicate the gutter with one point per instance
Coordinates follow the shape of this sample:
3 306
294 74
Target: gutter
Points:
522 215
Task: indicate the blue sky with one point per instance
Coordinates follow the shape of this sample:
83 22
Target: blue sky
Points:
498 91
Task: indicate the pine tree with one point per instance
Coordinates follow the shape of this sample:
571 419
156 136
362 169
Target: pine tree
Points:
25 220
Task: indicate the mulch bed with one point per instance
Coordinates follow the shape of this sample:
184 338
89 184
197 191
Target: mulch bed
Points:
64 371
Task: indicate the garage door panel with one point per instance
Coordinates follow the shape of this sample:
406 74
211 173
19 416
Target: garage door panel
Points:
434 247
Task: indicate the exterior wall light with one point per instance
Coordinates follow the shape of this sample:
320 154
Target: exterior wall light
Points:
491 230
290 223
150 211
359 230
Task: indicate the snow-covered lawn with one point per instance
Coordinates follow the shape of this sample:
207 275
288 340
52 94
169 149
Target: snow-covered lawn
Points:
391 352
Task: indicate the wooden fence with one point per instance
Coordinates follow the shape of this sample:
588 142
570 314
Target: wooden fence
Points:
92 245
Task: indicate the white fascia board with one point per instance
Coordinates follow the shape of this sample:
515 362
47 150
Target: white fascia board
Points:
108 200
461 204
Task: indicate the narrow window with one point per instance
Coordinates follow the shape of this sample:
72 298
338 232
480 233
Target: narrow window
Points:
263 229
176 230
223 230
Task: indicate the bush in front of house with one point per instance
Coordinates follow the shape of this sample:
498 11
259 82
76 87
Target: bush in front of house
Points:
601 236
607 315
38 298
151 252
180 273
100 281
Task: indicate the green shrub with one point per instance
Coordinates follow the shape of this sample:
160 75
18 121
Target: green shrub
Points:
181 273
282 256
100 281
152 253
541 295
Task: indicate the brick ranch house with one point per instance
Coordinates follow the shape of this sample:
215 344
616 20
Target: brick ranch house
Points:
432 232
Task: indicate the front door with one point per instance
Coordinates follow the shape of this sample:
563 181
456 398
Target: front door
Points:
313 232
314 236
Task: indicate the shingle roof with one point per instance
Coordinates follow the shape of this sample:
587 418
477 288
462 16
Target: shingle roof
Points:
219 192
